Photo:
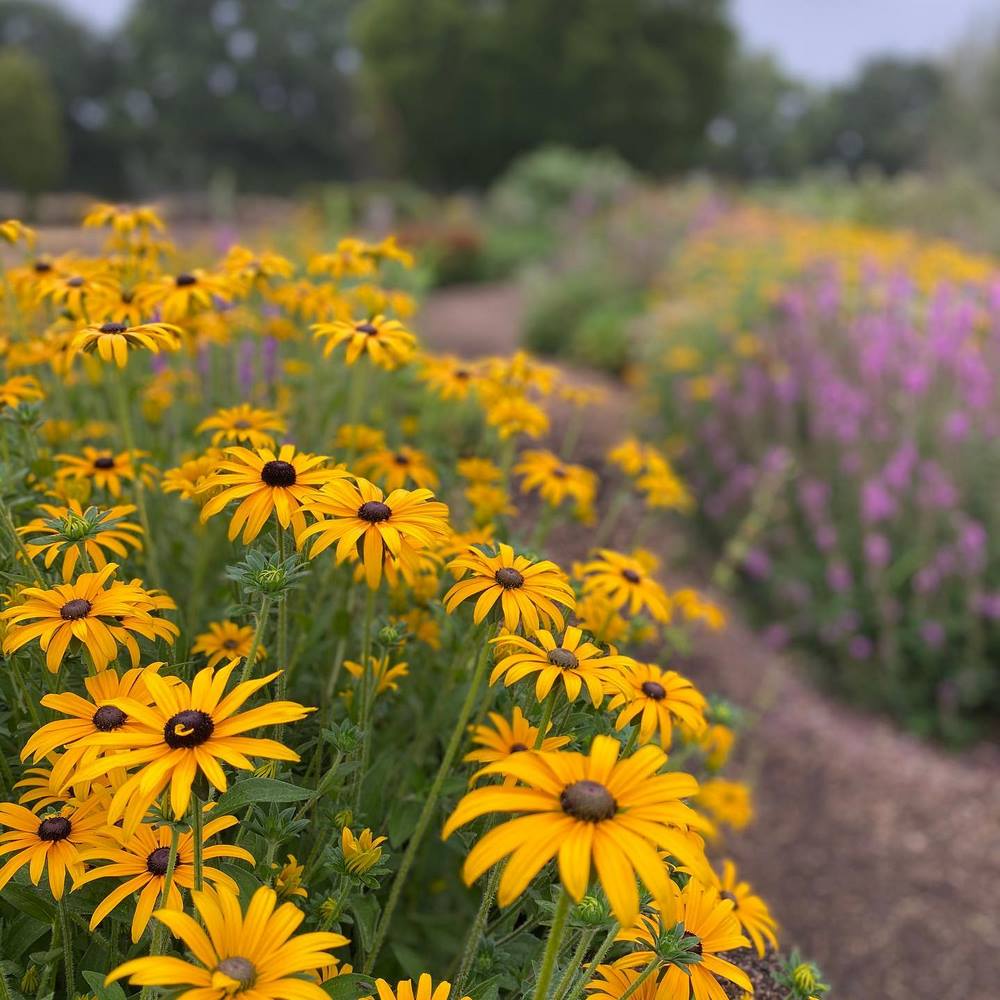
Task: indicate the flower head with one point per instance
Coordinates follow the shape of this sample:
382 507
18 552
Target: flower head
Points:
657 698
426 990
243 424
398 467
502 739
625 581
385 341
104 468
361 853
112 341
751 911
225 640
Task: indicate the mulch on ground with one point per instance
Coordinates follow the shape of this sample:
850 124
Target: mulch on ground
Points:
879 854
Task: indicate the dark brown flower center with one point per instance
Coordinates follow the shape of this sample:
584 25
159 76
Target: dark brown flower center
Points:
189 728
588 800
278 474
113 328
653 690
369 329
509 578
631 575
230 643
185 280
79 607
462 375
127 296
374 511
108 718
54 828
559 473
76 282
104 462
242 425
158 860
42 267
240 969
517 748
400 459
564 659
726 894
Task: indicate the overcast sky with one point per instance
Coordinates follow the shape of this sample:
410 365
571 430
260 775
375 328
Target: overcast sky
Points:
821 40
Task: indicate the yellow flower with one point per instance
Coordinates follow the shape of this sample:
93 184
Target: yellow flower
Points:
50 843
422 625
361 853
695 607
243 424
359 437
184 731
288 881
598 616
372 527
179 296
717 742
112 341
187 478
556 480
15 231
479 470
81 295
624 581
612 983
426 990
386 341
397 467
526 591
67 528
630 455
225 640
447 376
141 858
751 911
489 501
504 738
99 616
662 487
264 482
123 219
575 663
104 468
710 928
728 802
240 957
20 389
657 697
597 808
383 673
512 415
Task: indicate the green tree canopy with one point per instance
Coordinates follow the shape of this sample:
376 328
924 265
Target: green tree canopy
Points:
463 86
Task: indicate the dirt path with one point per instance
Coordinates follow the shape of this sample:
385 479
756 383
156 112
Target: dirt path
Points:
880 855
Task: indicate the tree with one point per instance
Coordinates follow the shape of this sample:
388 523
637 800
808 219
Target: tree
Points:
33 149
463 86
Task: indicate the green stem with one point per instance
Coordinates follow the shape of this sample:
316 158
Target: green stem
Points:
158 943
20 546
552 946
476 930
609 940
197 834
430 802
543 725
265 610
645 974
573 967
367 691
125 418
67 947
88 566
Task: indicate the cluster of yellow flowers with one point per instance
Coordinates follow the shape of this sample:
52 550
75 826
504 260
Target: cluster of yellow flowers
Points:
133 766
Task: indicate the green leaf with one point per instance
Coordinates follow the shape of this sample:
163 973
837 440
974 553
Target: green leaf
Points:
95 980
259 790
403 820
366 912
28 901
349 987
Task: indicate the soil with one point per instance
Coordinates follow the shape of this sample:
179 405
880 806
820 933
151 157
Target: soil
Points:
879 854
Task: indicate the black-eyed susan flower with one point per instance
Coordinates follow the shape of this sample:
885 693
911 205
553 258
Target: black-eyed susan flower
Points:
630 455
586 809
86 718
359 438
225 640
288 879
187 478
383 673
488 502
98 613
50 842
727 802
385 341
181 295
112 341
447 376
14 231
570 660
265 482
716 743
186 730
20 389
375 528
395 468
251 956
404 990
662 487
104 468
65 529
141 859
556 481
527 591
479 470
657 698
625 582
513 415
243 424
123 219
361 853
79 294
598 616
257 270
696 607
751 911
504 738
612 983
705 927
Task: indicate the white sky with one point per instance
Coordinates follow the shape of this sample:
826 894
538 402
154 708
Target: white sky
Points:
820 40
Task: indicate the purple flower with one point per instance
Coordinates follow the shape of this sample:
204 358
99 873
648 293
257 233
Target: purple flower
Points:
838 577
860 647
932 633
877 503
757 564
878 552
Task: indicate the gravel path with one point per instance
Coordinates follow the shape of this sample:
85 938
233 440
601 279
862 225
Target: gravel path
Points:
879 854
